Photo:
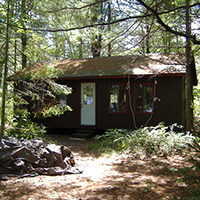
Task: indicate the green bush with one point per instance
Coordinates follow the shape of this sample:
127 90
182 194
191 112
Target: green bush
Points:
23 127
111 140
148 140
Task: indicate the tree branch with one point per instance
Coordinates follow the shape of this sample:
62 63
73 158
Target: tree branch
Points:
72 8
168 28
153 12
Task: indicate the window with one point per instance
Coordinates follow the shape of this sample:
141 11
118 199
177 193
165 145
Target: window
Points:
143 97
88 95
118 98
63 100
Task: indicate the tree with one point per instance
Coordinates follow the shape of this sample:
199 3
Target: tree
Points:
37 96
189 81
5 69
23 34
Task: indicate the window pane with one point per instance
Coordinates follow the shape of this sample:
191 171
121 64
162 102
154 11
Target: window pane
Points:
143 98
148 98
122 98
138 92
113 98
62 99
88 95
117 98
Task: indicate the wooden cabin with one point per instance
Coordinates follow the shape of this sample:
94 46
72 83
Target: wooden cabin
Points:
122 92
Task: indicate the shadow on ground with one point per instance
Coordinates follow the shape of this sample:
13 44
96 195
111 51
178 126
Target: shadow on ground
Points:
107 178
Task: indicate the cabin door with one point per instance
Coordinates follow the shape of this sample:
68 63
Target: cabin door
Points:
88 107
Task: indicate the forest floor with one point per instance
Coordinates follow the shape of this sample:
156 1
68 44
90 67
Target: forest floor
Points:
116 177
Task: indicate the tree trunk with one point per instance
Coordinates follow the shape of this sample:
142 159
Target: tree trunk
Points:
147 38
109 20
189 82
14 17
5 73
80 48
23 36
96 46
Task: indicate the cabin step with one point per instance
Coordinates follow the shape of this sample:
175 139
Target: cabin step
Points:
85 131
81 135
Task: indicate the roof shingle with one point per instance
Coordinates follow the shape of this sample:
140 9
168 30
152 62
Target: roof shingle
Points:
150 64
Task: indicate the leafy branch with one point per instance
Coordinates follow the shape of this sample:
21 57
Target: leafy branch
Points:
72 8
168 28
154 13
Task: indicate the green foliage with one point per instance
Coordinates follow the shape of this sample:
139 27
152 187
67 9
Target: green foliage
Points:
196 91
148 140
9 104
149 185
45 71
43 92
39 96
59 89
112 140
51 110
23 127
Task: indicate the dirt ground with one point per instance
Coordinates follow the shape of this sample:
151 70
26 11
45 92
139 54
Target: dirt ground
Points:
117 177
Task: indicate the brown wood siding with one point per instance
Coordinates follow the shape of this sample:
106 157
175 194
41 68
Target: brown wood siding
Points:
168 109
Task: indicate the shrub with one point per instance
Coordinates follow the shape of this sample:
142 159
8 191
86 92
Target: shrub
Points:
23 127
146 140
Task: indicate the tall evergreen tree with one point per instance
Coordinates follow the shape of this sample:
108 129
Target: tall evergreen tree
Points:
5 69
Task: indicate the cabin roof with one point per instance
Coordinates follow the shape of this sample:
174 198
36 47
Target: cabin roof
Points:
149 64
121 65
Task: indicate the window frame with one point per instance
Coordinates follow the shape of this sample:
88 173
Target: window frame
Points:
117 112
134 102
66 99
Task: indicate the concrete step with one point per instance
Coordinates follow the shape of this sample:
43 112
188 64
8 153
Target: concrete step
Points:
81 135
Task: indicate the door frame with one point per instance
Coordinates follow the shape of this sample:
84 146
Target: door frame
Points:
80 93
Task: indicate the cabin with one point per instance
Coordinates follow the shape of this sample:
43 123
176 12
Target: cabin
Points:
124 92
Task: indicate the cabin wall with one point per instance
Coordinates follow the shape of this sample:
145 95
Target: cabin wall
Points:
167 107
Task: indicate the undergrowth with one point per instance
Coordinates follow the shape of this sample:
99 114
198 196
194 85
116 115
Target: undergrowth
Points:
158 140
23 127
146 141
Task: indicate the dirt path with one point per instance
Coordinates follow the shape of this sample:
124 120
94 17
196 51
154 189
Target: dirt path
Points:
103 178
